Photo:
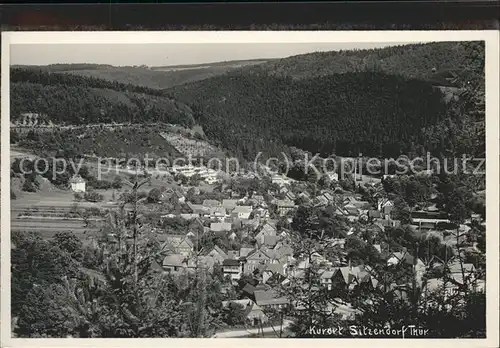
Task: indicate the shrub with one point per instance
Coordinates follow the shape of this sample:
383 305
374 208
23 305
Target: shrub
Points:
93 197
12 195
101 184
154 195
78 196
117 183
30 183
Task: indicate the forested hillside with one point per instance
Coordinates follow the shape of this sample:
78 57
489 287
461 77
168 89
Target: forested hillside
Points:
151 77
372 113
379 102
421 61
70 99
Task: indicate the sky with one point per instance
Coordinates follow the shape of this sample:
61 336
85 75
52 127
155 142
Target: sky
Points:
167 54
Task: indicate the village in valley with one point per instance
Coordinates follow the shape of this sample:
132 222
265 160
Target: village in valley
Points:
244 227
267 249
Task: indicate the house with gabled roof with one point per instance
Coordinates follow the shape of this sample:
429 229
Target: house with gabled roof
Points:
252 224
218 213
200 262
270 241
320 201
270 299
329 197
263 213
255 258
178 244
77 183
155 266
454 266
199 209
229 204
406 259
174 262
244 251
278 270
189 216
360 274
220 227
209 203
353 213
290 196
326 278
387 222
374 214
253 314
217 254
282 250
344 276
196 226
305 195
385 206
285 206
267 230
180 196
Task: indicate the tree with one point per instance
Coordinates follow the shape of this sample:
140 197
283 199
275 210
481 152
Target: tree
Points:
459 205
154 195
360 252
324 181
69 242
401 211
36 264
310 303
347 183
31 183
117 183
234 314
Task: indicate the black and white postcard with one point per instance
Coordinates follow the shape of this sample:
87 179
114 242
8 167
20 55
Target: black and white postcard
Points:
241 185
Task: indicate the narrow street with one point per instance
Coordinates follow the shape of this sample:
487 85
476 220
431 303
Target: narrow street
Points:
254 331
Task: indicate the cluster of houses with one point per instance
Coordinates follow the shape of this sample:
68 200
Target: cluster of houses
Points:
270 262
207 174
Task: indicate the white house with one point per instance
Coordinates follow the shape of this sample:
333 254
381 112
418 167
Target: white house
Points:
77 184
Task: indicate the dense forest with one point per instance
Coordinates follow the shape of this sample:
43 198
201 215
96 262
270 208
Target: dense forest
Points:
368 112
421 61
380 102
70 99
